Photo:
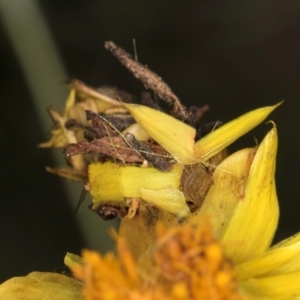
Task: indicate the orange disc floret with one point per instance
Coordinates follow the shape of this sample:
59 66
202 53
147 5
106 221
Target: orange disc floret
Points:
191 264
187 263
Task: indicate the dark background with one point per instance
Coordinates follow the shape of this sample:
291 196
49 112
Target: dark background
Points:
233 55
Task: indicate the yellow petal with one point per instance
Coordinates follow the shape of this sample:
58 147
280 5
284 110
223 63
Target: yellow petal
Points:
227 189
225 135
41 286
267 261
173 135
111 183
288 241
253 224
292 265
284 286
169 198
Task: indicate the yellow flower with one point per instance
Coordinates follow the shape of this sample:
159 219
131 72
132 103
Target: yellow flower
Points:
173 244
187 263
241 204
221 251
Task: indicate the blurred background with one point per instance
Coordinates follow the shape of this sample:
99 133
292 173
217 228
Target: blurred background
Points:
234 56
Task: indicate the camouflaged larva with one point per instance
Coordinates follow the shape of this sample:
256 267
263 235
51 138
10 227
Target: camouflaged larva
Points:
197 179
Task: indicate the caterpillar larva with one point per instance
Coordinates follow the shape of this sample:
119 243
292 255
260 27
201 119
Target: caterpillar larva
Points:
197 179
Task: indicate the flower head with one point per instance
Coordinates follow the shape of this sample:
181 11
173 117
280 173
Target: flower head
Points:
186 263
140 174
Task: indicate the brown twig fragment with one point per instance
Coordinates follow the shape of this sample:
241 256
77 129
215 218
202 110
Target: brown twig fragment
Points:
159 162
150 80
118 121
101 128
115 147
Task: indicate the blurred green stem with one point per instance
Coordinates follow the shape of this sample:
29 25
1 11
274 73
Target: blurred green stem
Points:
45 74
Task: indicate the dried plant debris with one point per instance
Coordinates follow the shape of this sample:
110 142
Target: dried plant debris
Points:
150 80
158 161
117 148
98 126
150 100
193 191
113 147
118 121
206 128
108 94
101 126
108 212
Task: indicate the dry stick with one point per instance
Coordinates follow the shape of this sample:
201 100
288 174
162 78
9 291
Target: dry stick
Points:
159 162
150 80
